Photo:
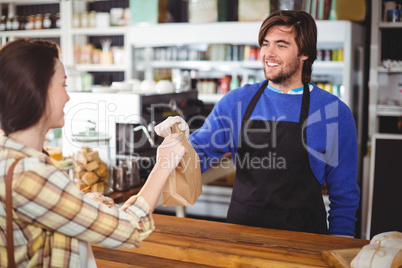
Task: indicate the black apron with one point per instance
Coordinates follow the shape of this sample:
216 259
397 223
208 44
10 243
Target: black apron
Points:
274 185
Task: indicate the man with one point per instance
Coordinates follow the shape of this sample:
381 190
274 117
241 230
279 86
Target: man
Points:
287 138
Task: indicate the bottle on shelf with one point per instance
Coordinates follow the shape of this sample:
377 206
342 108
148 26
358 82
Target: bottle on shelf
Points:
30 22
84 22
234 82
23 22
9 24
15 24
58 21
245 78
92 19
38 25
76 21
3 22
47 21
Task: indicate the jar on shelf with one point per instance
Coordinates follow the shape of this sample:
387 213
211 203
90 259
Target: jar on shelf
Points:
92 19
23 21
58 21
84 20
30 22
15 23
76 21
203 11
3 22
127 16
47 21
92 163
9 24
38 25
116 15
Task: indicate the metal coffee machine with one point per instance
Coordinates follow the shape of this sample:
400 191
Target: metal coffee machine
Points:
129 120
136 142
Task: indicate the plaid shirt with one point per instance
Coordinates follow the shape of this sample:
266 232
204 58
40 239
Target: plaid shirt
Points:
50 214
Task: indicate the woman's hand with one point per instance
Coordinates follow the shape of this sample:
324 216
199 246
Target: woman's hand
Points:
129 202
169 155
164 129
170 152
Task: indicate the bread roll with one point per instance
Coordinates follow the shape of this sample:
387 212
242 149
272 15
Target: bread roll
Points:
104 179
90 178
82 186
79 170
93 156
91 166
384 250
98 187
82 157
388 239
102 170
100 198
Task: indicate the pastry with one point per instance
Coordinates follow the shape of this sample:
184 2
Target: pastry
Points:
92 165
90 178
384 250
100 198
93 156
98 187
102 170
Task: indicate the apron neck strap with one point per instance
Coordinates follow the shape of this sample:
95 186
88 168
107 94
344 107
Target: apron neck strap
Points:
304 107
305 104
253 102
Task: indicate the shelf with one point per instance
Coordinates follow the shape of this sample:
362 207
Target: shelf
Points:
117 30
390 25
100 67
252 64
329 64
210 98
382 69
33 33
383 82
389 110
29 2
208 65
172 34
205 65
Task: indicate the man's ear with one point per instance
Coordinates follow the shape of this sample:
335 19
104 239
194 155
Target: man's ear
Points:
304 57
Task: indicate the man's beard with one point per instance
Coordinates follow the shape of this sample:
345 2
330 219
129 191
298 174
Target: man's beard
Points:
284 77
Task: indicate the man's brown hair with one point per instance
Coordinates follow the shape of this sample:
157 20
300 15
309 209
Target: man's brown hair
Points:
305 30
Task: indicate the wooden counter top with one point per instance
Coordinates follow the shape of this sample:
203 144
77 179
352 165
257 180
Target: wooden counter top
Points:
184 242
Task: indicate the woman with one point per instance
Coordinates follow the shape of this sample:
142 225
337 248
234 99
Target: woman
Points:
51 216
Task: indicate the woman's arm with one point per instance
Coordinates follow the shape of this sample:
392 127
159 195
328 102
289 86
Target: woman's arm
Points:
45 197
169 154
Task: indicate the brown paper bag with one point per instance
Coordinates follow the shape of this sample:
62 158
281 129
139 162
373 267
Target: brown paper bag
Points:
184 185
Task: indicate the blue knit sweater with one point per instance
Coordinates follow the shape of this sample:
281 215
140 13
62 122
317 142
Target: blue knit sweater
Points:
331 141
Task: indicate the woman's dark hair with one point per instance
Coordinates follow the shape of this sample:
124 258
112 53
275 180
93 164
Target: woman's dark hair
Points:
305 30
26 68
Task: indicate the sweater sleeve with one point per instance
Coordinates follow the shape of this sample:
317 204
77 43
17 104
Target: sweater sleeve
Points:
341 172
215 137
220 132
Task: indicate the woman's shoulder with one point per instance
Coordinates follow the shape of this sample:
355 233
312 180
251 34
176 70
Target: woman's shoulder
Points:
39 164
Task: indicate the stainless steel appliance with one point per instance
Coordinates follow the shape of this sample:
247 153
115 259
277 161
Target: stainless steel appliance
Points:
129 119
138 140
